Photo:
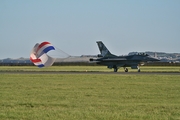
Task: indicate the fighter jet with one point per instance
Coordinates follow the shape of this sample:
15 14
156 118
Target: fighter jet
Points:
115 62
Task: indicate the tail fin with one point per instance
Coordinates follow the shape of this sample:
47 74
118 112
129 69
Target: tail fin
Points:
104 51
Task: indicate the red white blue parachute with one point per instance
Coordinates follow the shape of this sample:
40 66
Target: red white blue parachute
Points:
39 54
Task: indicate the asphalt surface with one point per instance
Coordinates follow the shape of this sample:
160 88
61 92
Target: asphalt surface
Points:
109 73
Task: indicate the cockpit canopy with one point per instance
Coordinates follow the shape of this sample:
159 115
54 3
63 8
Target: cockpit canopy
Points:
138 53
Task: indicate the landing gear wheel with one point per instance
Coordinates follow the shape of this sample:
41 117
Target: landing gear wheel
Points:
125 69
138 68
115 69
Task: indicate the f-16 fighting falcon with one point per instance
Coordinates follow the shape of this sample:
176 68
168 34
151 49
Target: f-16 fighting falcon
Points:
115 62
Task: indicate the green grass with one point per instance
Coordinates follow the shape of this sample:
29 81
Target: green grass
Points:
89 68
89 97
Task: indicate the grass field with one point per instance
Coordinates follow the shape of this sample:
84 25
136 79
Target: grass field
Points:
90 68
88 97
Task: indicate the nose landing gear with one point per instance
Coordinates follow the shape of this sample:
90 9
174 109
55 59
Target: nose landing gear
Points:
138 69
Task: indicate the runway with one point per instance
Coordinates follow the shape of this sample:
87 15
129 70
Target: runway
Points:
88 73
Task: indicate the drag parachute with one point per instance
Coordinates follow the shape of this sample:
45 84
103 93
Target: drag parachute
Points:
39 54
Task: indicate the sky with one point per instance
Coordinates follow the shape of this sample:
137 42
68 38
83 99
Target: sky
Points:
74 26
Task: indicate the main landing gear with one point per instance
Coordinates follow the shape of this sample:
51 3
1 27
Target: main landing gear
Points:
115 69
125 69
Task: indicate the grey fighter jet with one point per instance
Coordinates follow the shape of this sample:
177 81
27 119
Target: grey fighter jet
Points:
115 62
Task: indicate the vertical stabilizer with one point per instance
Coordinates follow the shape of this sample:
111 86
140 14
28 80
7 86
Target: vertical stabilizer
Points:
104 51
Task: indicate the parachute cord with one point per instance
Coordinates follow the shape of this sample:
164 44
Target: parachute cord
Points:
63 52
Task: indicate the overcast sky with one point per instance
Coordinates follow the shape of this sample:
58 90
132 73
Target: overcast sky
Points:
74 26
